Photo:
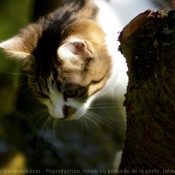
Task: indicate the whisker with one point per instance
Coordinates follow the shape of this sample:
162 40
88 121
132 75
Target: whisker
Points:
23 84
80 120
57 138
83 120
26 97
17 85
104 121
46 124
42 132
97 104
103 117
34 119
103 107
61 128
88 117
41 114
19 74
23 91
33 114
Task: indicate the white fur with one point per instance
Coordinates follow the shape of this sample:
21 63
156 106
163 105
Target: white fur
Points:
6 43
66 50
116 85
8 47
112 18
56 102
117 160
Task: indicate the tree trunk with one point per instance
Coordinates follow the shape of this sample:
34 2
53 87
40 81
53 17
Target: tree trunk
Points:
148 43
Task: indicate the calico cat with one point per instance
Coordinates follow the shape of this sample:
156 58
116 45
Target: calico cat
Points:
71 55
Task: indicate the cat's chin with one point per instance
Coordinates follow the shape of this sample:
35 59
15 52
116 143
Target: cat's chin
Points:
67 112
77 115
71 109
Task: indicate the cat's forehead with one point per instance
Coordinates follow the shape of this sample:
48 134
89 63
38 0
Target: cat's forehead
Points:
69 79
57 77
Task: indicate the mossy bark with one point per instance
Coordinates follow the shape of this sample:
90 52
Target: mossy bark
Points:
149 48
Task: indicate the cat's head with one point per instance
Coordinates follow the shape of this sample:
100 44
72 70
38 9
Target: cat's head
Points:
67 68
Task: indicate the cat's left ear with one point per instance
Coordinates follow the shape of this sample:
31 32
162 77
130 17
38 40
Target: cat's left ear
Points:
15 50
76 49
20 47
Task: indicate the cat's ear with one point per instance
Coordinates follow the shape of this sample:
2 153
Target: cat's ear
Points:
75 48
20 47
14 49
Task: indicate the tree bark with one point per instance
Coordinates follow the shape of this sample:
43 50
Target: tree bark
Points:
148 43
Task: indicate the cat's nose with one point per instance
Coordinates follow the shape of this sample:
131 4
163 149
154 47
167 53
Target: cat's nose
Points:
68 111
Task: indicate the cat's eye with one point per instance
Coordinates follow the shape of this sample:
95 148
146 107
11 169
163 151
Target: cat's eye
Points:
43 95
71 93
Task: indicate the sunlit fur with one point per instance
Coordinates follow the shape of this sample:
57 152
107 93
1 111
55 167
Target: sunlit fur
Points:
72 57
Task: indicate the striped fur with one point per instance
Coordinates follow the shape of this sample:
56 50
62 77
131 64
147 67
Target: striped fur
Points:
72 56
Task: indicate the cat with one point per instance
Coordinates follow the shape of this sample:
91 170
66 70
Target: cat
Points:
71 55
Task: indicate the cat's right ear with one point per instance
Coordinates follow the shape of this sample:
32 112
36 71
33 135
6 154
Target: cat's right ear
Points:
75 49
21 46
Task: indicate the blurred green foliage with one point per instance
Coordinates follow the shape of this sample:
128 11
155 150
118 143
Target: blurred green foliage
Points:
14 14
